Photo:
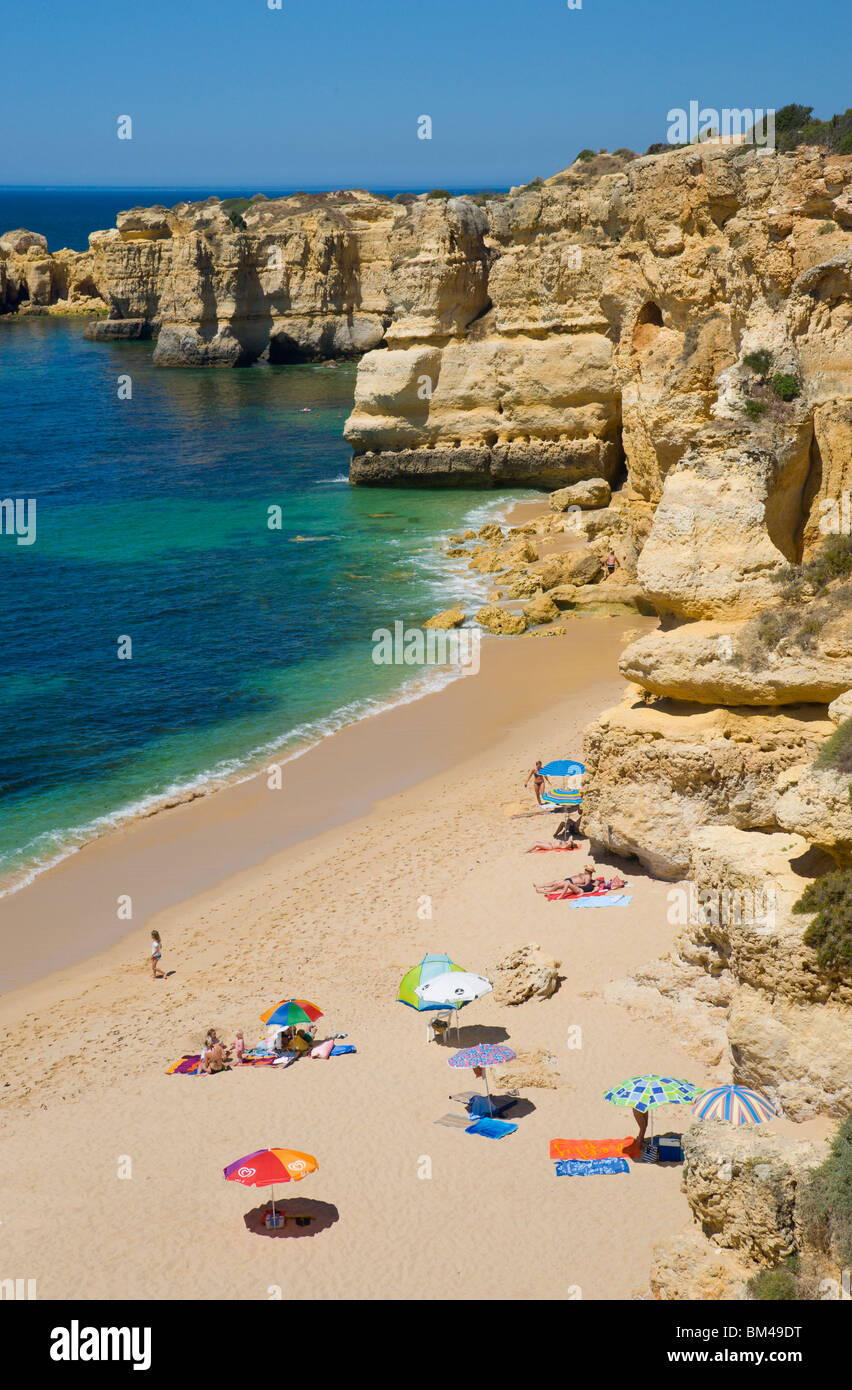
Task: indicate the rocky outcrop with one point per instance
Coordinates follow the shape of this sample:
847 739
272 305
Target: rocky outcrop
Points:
743 1186
656 773
525 973
719 663
500 621
589 327
451 617
687 1268
817 805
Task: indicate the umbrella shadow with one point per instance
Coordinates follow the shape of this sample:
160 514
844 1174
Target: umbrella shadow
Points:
472 1034
322 1216
517 1111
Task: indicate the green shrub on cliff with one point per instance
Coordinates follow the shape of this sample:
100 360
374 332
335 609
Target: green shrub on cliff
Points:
777 1285
438 193
826 1203
832 561
759 361
830 933
584 155
754 409
796 125
234 208
785 386
836 752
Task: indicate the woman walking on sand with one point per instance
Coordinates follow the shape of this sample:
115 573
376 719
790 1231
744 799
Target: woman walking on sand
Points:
156 956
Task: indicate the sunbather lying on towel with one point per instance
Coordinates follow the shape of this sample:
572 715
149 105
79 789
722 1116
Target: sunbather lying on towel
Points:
586 882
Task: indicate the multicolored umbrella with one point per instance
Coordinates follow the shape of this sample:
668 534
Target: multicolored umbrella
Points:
266 1167
643 1092
736 1104
429 968
483 1055
290 1013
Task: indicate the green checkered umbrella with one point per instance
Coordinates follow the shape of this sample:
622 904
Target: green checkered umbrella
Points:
643 1092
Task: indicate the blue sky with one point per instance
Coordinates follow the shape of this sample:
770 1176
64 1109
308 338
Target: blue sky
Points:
323 93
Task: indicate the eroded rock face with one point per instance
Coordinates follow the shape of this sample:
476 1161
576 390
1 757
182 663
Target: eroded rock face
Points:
653 775
817 805
500 621
687 1267
709 663
743 1186
525 973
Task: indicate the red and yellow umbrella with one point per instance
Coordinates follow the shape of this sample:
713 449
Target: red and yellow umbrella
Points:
266 1167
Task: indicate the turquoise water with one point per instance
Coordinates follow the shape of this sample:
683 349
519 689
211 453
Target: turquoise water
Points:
152 523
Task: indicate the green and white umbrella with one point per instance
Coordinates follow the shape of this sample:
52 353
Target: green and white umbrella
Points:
645 1093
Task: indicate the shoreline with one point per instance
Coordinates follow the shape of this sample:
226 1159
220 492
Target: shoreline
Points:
280 750
159 860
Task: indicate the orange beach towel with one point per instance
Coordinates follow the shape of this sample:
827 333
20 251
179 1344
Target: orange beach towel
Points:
595 1148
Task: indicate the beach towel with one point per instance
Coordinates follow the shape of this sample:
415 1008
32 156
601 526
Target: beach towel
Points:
491 1129
453 1121
610 900
184 1066
340 1051
595 1148
582 1168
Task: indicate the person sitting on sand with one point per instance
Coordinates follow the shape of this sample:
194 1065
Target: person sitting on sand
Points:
567 833
538 780
571 887
213 1059
213 1040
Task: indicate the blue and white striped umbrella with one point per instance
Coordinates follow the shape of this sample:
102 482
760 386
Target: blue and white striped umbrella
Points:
736 1104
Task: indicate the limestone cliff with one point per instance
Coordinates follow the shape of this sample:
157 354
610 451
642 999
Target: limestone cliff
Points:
590 326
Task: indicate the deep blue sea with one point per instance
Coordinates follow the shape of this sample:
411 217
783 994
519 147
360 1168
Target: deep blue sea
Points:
152 523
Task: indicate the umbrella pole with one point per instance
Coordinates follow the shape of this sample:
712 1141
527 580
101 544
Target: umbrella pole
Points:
488 1093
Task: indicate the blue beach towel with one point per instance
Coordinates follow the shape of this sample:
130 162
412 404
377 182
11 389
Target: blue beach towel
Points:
491 1129
590 1167
339 1051
616 900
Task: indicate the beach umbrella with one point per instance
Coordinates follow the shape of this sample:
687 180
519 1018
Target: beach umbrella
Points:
563 767
290 1013
483 1055
453 987
737 1104
266 1167
429 968
644 1093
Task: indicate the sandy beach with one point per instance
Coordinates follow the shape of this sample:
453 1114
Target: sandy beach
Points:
334 918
